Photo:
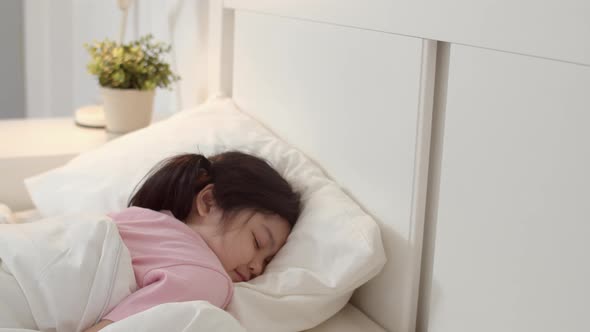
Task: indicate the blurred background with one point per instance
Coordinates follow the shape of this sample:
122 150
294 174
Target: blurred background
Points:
43 61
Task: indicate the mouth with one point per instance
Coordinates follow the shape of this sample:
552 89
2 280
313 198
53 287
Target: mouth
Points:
242 278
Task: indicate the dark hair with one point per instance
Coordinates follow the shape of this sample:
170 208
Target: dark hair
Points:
241 181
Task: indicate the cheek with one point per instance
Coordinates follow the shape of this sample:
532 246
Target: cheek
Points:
235 251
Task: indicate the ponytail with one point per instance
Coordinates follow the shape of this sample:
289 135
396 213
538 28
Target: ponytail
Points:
173 184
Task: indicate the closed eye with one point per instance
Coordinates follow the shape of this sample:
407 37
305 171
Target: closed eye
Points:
256 244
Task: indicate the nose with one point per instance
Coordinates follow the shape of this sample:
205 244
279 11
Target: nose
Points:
256 268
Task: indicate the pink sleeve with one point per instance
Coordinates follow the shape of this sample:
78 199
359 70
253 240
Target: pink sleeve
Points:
132 213
176 283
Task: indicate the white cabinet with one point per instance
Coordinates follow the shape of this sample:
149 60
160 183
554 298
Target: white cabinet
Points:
512 249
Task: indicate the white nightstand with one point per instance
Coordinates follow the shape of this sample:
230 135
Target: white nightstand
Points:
32 146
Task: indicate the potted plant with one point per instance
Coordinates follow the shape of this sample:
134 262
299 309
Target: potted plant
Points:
128 75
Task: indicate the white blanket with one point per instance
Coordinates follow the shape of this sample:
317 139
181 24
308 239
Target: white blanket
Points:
179 317
62 273
65 273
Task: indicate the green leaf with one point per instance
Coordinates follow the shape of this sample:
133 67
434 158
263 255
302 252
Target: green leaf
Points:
138 64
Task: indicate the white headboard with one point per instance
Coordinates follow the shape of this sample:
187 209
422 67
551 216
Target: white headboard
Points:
358 102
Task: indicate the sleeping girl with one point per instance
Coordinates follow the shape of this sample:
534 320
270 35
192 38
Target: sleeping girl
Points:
197 225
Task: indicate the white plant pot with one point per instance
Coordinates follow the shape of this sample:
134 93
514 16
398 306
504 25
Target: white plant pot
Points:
126 110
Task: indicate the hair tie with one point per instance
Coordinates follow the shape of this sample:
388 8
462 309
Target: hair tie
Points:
204 163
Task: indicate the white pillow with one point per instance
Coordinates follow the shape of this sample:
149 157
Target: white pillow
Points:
333 249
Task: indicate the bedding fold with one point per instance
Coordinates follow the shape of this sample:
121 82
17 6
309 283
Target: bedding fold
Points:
62 273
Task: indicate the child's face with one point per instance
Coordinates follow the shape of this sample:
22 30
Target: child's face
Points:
245 241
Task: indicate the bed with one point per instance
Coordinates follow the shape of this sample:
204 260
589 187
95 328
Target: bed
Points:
358 103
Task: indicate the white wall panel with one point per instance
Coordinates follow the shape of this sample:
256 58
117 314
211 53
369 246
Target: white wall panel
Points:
558 29
349 99
512 250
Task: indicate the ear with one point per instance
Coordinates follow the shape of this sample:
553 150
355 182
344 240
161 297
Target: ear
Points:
204 201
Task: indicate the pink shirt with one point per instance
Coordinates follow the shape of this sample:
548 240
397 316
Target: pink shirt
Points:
172 263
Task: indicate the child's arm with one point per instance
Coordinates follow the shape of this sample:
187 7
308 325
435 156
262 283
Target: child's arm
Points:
99 326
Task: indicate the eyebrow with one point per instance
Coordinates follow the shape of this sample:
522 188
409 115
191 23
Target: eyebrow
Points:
272 239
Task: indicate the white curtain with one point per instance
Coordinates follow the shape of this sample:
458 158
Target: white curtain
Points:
55 60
